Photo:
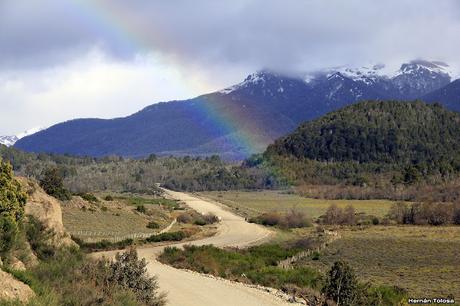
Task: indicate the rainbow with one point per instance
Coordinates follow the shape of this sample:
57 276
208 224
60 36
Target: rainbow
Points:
125 31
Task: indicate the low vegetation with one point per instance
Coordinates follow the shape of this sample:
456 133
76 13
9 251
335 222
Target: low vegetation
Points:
425 213
63 275
251 204
398 255
192 217
291 219
71 278
259 265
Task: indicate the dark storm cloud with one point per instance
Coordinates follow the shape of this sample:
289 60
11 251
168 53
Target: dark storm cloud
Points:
290 35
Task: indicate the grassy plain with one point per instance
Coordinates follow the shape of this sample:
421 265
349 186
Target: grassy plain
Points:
424 260
115 219
253 203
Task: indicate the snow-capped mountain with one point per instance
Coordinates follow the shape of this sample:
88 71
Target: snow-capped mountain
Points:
11 140
8 140
263 107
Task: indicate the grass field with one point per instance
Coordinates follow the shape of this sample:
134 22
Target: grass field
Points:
253 203
423 260
114 219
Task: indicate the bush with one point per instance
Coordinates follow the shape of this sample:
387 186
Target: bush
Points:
168 236
103 245
210 218
52 181
184 218
296 219
129 272
141 209
8 233
40 238
89 197
153 225
197 219
269 219
338 216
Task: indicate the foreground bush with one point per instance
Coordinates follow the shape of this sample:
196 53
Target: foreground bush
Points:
71 278
130 273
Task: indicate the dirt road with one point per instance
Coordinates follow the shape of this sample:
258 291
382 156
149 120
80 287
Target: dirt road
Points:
192 289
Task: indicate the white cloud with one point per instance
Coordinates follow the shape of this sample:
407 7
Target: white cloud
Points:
93 86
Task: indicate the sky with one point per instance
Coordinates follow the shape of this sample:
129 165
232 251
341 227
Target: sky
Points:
61 60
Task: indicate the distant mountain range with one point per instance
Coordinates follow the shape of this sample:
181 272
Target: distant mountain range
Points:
11 140
245 118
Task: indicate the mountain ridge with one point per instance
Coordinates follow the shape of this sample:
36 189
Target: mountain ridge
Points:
239 120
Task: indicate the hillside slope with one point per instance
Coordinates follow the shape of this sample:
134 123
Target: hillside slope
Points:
379 132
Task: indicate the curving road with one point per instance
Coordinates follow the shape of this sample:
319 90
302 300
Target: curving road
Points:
192 289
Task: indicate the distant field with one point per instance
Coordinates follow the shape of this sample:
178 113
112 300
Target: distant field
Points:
253 203
424 260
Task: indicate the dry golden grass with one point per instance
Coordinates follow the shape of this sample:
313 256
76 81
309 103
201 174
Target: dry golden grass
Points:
252 203
111 219
424 260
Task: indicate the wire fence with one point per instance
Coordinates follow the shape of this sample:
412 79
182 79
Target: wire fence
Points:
91 236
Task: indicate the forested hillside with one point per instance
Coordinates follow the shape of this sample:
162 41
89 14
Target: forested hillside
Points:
379 132
373 143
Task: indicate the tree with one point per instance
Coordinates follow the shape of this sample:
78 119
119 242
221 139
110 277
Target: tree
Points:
12 202
52 182
341 284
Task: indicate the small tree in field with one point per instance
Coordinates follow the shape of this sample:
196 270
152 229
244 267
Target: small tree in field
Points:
341 284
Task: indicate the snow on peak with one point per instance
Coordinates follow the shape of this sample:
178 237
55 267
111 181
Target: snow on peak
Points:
29 132
11 140
418 66
252 79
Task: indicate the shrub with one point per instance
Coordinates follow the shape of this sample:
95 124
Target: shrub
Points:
375 221
270 219
184 218
129 272
200 222
296 219
210 218
89 197
168 236
141 208
348 216
52 181
8 233
40 238
333 215
103 245
153 225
